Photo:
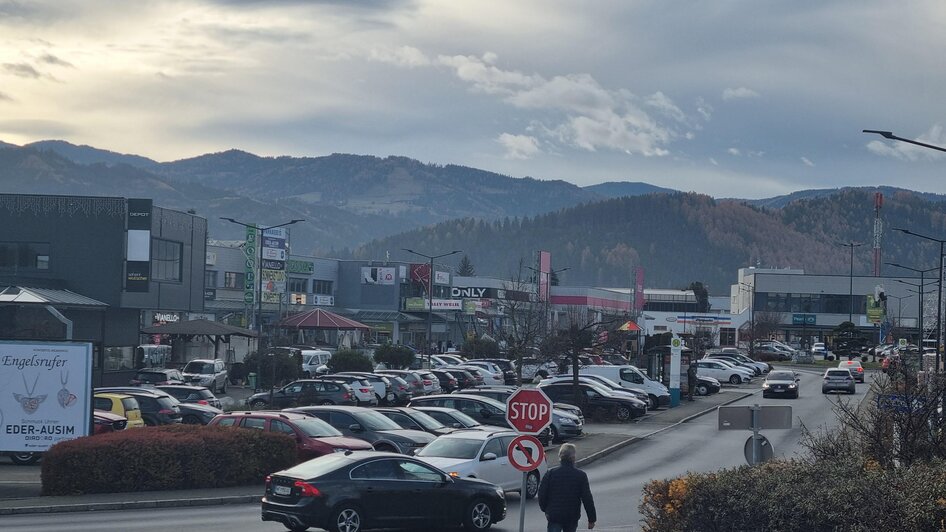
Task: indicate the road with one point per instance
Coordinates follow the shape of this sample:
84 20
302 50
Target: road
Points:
616 481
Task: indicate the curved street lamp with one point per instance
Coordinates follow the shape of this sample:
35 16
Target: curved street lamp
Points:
430 294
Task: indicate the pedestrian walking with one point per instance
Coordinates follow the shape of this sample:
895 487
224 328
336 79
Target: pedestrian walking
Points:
563 491
692 381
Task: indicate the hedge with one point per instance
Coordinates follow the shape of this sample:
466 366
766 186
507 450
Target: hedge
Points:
799 495
165 458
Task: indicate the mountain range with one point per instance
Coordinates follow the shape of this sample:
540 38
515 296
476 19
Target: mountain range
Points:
359 206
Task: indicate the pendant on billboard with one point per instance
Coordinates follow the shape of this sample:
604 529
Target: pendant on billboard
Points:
65 397
29 402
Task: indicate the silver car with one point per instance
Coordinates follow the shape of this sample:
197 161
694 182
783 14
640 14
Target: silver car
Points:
838 380
211 374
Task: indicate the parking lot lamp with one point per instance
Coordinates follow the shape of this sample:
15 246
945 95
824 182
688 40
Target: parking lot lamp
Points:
891 136
259 293
430 295
852 245
922 284
939 297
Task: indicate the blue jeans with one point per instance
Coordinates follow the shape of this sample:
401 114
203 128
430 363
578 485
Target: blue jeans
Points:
559 527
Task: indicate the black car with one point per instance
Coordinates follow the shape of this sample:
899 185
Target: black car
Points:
353 491
780 384
411 418
448 383
191 394
597 400
157 407
465 379
305 392
369 425
707 385
451 417
483 409
156 376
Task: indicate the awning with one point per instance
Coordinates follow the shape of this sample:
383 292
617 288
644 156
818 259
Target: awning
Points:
629 326
320 319
21 295
199 328
383 315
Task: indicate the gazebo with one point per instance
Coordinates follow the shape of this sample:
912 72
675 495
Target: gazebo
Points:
187 330
320 319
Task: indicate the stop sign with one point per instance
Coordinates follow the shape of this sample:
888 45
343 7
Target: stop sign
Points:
529 411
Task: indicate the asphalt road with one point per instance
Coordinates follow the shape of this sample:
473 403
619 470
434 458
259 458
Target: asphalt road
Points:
616 481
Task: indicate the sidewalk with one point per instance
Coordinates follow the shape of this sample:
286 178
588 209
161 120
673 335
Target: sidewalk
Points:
20 485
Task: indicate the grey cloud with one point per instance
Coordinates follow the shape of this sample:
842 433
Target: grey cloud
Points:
4 97
22 70
37 128
50 59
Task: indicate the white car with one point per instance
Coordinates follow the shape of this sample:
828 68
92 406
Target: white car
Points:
722 371
492 374
818 348
446 360
481 454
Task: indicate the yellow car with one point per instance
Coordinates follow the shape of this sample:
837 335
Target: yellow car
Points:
123 405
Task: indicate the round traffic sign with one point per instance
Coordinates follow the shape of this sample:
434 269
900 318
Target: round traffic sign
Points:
525 453
529 411
765 449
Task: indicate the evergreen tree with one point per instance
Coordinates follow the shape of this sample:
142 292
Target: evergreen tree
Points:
465 268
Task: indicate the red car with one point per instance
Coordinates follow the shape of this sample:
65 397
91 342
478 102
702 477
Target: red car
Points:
107 422
315 437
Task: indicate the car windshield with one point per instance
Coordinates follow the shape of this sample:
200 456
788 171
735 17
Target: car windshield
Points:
198 367
372 420
452 448
426 421
464 419
316 428
781 376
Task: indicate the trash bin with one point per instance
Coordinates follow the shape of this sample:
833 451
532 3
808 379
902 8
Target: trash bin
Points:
251 380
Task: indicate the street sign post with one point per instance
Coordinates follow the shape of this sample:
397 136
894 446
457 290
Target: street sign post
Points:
755 418
529 411
525 453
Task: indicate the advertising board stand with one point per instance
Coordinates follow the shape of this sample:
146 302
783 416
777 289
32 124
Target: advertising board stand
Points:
529 411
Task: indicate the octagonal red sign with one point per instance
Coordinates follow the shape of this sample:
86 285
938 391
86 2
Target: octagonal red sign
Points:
529 411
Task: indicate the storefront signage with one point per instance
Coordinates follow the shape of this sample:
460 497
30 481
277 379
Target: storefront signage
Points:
477 293
300 266
324 301
803 319
211 259
210 294
138 246
249 268
165 317
273 264
274 254
442 277
274 243
414 304
374 275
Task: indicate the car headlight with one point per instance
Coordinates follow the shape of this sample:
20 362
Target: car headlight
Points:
338 450
790 386
765 385
564 420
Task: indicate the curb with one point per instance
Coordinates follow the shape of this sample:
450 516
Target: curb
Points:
130 505
742 396
606 451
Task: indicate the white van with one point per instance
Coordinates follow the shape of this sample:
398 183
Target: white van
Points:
632 377
314 361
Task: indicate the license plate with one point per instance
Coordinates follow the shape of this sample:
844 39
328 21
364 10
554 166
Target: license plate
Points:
776 390
282 490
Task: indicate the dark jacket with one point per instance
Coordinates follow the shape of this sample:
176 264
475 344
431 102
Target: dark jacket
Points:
562 492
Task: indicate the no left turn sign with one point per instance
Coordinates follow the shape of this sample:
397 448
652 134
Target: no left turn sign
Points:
525 453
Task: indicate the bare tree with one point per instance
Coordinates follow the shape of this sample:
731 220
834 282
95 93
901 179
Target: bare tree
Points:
525 321
582 330
766 323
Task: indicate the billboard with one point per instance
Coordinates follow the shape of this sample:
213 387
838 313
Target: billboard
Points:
138 245
639 298
413 304
373 275
545 272
47 393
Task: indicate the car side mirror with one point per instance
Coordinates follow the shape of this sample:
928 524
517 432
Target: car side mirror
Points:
457 426
355 427
487 457
485 413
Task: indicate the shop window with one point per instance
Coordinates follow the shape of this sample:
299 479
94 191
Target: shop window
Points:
322 287
166 260
298 285
210 279
24 256
233 280
119 358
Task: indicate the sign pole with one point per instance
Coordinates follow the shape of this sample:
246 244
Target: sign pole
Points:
522 503
755 434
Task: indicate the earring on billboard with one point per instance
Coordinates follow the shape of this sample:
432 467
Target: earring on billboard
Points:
65 397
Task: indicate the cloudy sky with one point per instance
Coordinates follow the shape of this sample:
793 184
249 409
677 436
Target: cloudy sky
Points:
725 97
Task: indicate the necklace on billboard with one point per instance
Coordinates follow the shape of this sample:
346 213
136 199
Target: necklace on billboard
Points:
65 397
29 402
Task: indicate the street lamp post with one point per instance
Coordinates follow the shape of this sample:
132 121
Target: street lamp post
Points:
939 297
548 283
891 136
430 294
259 293
899 306
750 288
920 306
852 245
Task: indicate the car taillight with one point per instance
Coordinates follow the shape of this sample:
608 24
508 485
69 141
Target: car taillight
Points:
167 412
427 382
346 395
401 387
202 402
307 490
365 390
860 369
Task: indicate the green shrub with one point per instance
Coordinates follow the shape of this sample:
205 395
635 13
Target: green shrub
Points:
165 458
288 367
394 356
480 348
797 495
348 360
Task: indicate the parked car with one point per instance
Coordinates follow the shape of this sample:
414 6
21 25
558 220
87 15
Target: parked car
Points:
156 376
314 437
780 384
631 377
452 417
119 404
762 367
597 399
191 413
190 394
838 380
303 393
368 425
465 379
401 388
602 381
431 382
103 422
819 349
413 379
615 359
567 420
492 373
157 407
211 374
752 368
706 386
444 359
383 389
482 454
413 419
355 491
722 372
448 383
857 370
770 354
483 409
507 367
362 390
314 362
533 367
